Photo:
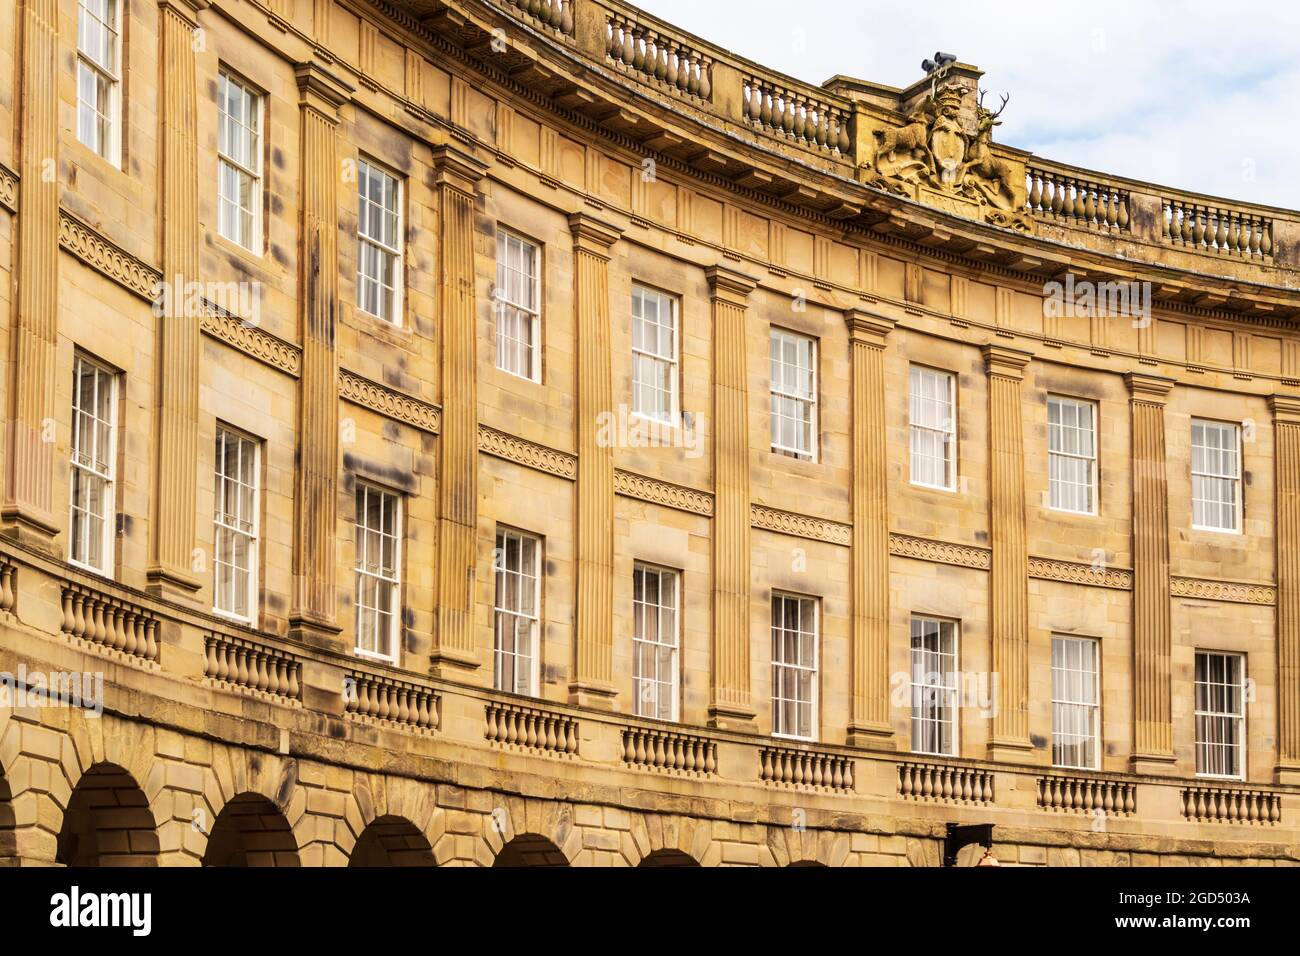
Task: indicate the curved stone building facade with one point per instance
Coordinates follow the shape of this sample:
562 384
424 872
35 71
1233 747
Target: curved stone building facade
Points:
497 432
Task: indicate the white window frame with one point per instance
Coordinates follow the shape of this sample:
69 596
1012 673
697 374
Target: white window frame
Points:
528 582
786 396
365 569
366 170
655 639
792 670
95 466
645 357
110 74
936 694
1205 474
254 103
1076 668
237 525
1208 710
511 309
936 426
1067 444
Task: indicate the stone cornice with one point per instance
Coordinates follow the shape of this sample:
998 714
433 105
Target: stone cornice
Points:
868 329
107 258
729 285
591 235
527 453
1285 409
389 402
187 10
321 89
1004 362
456 168
1152 389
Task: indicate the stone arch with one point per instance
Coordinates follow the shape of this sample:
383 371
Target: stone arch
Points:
107 821
375 798
788 846
250 830
391 841
8 835
530 849
513 817
668 837
666 858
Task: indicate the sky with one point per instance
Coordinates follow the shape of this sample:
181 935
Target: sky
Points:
1202 95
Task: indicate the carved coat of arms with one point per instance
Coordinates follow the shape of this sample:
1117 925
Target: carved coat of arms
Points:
944 154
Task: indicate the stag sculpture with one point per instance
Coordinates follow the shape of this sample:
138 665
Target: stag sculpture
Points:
993 176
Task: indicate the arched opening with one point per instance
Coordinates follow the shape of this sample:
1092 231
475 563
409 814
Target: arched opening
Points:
391 841
668 858
251 831
8 837
807 865
107 822
529 849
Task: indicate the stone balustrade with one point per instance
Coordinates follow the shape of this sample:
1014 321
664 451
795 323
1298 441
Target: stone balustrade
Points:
8 585
1061 197
1090 795
805 769
531 728
250 666
662 60
555 14
1216 229
109 623
1206 804
383 699
670 752
798 117
944 783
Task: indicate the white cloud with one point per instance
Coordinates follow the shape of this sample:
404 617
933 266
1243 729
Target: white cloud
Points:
1199 94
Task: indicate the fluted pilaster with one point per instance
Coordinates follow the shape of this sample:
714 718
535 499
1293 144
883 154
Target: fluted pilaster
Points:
177 395
321 94
29 473
593 634
731 703
1009 573
1153 737
869 723
455 178
1286 458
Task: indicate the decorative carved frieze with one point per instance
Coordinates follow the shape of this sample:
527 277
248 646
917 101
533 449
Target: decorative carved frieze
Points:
105 257
800 526
389 402
1047 569
657 492
8 188
1228 592
529 454
940 552
253 341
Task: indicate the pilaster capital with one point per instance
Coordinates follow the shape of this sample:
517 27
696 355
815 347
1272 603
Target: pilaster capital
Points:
1285 409
457 169
591 235
867 329
1003 362
187 10
320 89
729 286
1151 389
